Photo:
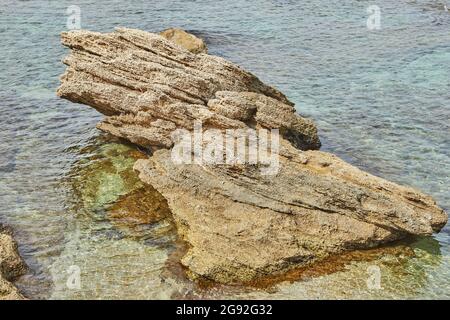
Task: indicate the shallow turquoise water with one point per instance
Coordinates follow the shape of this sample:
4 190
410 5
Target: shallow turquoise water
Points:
380 99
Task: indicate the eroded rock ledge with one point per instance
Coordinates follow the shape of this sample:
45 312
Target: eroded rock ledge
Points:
239 223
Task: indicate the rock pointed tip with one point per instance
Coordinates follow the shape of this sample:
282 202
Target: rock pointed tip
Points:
439 222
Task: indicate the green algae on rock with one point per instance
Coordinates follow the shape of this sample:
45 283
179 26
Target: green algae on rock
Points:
110 190
108 177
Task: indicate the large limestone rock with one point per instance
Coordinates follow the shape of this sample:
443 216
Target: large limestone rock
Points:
239 222
11 266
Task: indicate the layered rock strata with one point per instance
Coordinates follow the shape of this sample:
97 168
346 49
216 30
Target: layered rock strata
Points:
239 222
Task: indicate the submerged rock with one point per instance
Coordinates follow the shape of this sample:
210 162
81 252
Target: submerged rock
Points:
148 87
107 190
240 223
143 214
11 266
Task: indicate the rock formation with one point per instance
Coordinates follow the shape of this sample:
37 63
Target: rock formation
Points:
185 40
240 223
11 266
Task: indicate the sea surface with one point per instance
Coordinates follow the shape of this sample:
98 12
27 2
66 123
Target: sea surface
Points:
380 97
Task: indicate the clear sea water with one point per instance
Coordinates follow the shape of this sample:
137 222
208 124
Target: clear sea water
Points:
379 97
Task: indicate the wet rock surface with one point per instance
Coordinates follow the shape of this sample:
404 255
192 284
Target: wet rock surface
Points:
11 266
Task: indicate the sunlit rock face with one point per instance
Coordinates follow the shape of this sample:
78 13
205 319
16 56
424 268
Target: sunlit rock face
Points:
148 87
110 191
239 224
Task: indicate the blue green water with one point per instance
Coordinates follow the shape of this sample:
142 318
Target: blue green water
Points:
380 99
